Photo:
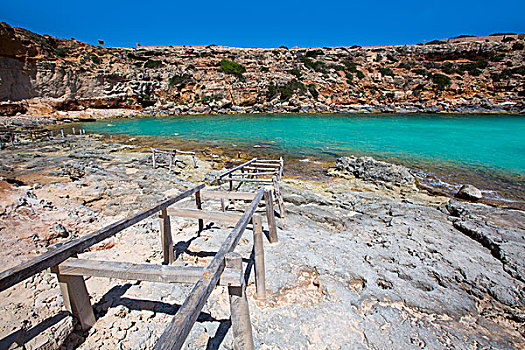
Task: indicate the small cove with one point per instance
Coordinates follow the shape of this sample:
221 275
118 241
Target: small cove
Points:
442 150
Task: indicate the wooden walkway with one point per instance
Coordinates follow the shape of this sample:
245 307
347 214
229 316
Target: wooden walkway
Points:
225 269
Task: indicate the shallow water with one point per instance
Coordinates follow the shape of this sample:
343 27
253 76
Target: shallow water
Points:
481 148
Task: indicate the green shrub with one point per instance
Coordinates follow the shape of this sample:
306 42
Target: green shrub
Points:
295 72
391 58
440 80
231 67
350 66
153 64
436 42
177 80
313 91
386 71
420 71
286 90
95 59
517 46
475 72
390 95
283 47
360 74
404 65
265 69
498 34
317 66
62 51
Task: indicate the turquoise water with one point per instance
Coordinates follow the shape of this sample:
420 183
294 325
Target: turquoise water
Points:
478 143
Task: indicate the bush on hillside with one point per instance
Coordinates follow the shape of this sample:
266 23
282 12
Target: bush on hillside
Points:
440 80
231 67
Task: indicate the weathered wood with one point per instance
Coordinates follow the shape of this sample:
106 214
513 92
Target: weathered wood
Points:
247 196
278 196
76 298
270 215
257 168
198 203
153 158
270 160
256 174
215 216
267 165
177 331
258 252
240 312
142 272
229 171
166 238
247 180
20 272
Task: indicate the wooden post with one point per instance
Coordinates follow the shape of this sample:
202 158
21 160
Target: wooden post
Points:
73 131
278 196
240 313
195 162
223 206
76 298
198 202
153 158
167 241
270 215
171 161
62 132
258 250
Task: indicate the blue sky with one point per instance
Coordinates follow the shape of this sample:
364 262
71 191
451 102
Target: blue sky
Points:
268 23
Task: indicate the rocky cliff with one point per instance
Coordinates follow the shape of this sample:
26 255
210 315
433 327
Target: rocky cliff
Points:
41 74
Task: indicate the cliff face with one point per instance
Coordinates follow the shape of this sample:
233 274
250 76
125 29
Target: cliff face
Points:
40 74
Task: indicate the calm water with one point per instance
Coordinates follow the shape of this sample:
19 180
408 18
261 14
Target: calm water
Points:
489 145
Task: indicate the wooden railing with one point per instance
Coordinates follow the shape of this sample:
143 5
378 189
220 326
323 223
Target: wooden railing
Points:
225 269
172 154
261 172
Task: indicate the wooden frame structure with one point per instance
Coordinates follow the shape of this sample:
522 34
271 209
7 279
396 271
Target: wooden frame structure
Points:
172 153
225 269
268 172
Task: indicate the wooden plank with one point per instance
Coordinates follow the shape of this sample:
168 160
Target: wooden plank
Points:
141 272
166 238
267 165
257 168
20 272
76 298
247 180
227 172
177 331
270 215
256 174
216 216
270 160
247 196
240 312
258 252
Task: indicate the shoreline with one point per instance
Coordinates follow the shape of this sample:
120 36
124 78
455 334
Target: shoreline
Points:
430 178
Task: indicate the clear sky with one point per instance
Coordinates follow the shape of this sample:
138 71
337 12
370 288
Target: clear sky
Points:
269 23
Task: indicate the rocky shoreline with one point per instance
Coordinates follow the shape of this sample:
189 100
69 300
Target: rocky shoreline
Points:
365 259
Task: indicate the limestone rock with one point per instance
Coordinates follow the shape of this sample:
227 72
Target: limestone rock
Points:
470 193
369 169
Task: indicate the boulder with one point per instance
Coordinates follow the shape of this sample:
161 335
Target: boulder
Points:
470 193
369 169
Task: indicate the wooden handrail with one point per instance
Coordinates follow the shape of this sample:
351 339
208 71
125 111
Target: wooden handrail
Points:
51 258
177 331
227 172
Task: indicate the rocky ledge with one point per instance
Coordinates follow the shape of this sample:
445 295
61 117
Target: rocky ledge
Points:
361 262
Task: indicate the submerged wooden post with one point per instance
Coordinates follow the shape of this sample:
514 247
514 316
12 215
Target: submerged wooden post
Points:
198 202
167 241
240 313
270 216
258 252
76 298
